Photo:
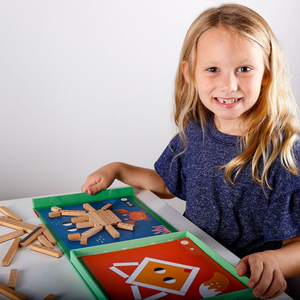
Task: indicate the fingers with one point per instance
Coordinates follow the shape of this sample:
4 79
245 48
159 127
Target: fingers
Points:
266 278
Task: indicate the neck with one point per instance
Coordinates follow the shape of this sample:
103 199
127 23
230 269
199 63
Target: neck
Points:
230 127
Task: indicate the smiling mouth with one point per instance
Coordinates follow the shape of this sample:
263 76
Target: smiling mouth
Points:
227 101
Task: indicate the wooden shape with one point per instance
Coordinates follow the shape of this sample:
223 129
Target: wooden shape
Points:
45 250
55 208
50 297
31 236
44 241
79 219
92 231
11 252
112 231
83 240
84 225
107 206
73 212
103 215
74 236
114 219
12 223
48 235
88 207
10 293
97 220
54 214
9 213
13 276
11 235
125 226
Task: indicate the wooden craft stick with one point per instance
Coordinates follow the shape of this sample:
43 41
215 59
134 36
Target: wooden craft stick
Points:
107 206
74 236
11 252
72 212
84 225
13 276
11 235
88 207
125 226
45 250
114 219
12 223
112 231
92 231
50 297
83 240
55 208
79 219
104 216
9 213
44 241
31 236
54 214
48 235
97 220
10 293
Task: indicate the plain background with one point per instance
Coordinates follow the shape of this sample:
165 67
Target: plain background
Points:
85 83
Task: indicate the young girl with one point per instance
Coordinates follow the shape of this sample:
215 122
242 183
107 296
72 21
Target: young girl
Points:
236 157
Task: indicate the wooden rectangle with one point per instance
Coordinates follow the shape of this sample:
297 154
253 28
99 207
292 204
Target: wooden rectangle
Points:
112 231
114 219
74 236
88 207
45 250
48 235
13 276
50 297
92 231
12 223
32 236
103 215
107 206
125 226
11 252
79 219
54 214
45 242
55 208
9 213
11 235
72 212
10 293
97 220
84 225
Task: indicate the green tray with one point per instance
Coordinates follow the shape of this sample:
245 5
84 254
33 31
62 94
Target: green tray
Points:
42 205
79 257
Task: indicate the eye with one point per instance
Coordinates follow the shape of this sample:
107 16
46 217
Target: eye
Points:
244 69
213 69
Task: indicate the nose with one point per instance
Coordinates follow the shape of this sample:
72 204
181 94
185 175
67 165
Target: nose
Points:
228 83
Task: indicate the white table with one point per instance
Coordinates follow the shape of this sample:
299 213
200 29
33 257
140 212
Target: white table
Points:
40 275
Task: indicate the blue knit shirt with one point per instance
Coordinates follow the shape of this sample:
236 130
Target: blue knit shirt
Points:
242 217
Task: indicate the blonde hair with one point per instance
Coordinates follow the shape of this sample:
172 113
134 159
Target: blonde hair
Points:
272 125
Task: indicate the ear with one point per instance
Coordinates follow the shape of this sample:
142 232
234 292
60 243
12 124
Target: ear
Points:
184 70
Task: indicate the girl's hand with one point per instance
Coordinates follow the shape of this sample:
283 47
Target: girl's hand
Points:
101 179
266 277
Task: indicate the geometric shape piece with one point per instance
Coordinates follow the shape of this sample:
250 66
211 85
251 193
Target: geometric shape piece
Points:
11 293
9 213
31 236
11 252
12 223
45 250
11 235
112 231
13 276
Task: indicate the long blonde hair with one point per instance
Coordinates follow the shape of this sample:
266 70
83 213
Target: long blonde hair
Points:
272 125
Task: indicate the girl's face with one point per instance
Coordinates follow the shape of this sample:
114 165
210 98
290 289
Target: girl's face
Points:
229 73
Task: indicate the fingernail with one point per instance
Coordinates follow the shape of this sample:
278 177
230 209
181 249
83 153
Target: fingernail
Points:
90 191
252 284
258 294
241 270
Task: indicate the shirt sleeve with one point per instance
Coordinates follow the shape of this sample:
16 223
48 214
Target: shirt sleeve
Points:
282 220
169 168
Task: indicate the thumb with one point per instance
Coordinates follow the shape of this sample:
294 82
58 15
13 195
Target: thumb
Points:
242 267
95 189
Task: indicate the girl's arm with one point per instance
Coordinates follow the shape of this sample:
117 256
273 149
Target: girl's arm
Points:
270 268
134 176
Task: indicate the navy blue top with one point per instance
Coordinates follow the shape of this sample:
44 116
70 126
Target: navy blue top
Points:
242 217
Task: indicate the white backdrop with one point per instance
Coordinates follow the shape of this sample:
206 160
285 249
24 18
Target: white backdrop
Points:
85 83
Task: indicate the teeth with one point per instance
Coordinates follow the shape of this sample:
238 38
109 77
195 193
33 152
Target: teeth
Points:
227 101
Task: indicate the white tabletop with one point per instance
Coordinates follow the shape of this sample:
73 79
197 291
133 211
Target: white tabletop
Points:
40 274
